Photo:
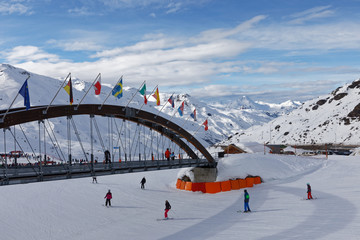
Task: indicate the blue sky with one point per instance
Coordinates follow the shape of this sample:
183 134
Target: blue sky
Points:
268 50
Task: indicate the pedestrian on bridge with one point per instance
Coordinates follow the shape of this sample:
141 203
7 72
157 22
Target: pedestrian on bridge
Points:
167 154
108 198
172 156
143 181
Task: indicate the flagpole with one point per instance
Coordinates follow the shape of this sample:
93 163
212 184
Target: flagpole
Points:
185 121
45 111
145 96
133 96
2 120
198 128
110 92
163 106
175 113
76 108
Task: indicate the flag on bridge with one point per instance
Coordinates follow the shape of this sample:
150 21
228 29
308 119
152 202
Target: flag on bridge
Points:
143 92
171 101
181 109
157 96
193 114
206 125
68 89
24 91
118 90
97 86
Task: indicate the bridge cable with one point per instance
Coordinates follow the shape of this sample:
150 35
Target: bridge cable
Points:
79 140
119 134
52 141
37 173
99 135
130 149
52 130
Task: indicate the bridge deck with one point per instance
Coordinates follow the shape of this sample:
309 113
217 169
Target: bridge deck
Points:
28 174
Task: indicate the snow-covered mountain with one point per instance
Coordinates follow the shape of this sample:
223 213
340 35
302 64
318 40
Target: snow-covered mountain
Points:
333 118
224 119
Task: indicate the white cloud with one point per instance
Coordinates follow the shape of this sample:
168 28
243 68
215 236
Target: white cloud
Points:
76 45
13 7
29 53
310 14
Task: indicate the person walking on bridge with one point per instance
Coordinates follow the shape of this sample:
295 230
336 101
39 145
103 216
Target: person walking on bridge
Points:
167 154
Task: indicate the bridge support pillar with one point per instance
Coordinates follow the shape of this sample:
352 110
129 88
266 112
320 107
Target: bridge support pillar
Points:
205 174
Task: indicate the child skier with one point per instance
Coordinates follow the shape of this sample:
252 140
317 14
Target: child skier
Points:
246 201
167 208
143 181
309 191
108 197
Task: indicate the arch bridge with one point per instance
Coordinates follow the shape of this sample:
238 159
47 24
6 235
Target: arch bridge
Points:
40 172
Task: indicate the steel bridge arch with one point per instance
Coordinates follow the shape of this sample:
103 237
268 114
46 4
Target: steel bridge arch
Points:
155 122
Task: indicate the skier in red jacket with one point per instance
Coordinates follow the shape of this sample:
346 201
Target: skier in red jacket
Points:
108 198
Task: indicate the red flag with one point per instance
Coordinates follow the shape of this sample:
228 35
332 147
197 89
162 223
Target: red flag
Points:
97 87
157 96
145 99
206 125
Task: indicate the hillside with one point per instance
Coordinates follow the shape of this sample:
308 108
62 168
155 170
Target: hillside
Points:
333 118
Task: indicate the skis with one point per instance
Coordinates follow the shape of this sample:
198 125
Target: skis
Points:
240 211
309 199
164 219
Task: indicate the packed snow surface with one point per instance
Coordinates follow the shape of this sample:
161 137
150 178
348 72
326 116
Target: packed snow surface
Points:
73 209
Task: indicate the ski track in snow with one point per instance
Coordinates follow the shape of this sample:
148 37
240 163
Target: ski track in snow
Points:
73 209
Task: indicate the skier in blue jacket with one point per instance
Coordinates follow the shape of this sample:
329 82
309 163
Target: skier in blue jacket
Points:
246 201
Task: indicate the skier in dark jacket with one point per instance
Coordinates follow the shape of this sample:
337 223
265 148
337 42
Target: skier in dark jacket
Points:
246 201
108 198
143 181
309 191
167 208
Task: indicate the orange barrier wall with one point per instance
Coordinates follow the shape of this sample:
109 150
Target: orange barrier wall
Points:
188 186
225 186
249 181
178 183
257 180
212 187
235 184
242 183
182 186
215 187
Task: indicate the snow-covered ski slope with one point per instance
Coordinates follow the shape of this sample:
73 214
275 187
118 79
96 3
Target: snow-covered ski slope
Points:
73 209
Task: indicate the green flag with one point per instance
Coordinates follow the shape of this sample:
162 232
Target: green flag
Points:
143 90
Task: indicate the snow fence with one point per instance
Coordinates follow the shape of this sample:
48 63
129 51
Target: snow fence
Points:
215 187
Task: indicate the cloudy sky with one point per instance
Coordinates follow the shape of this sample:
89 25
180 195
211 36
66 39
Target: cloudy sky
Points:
269 50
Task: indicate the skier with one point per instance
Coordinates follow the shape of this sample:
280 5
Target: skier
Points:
143 181
309 191
167 154
167 208
246 201
108 197
94 179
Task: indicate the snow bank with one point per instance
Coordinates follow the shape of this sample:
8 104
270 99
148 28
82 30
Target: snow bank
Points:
268 167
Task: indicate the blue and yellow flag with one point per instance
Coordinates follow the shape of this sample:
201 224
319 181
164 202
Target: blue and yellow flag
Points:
118 90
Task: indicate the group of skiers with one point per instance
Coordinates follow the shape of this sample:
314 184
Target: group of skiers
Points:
108 198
